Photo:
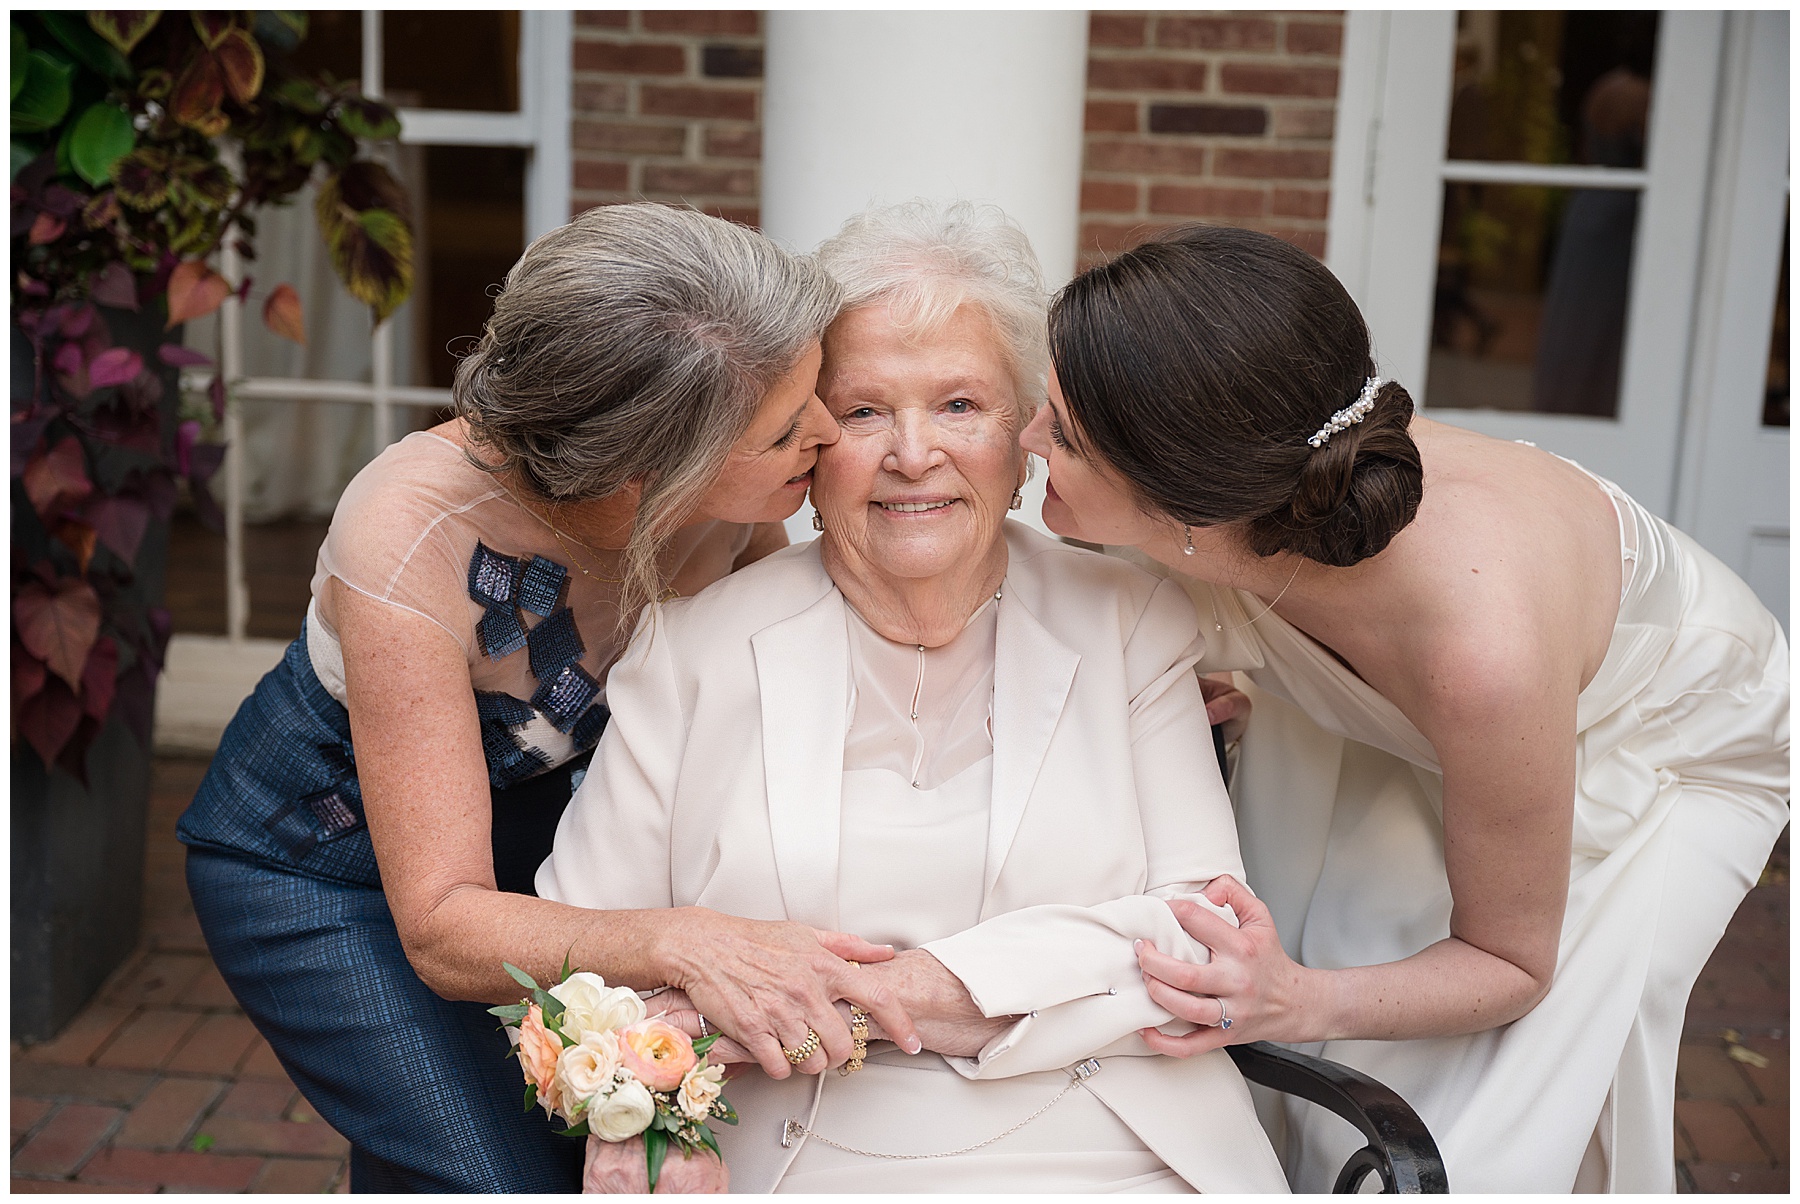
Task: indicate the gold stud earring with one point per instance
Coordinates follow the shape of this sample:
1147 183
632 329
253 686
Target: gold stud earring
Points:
818 521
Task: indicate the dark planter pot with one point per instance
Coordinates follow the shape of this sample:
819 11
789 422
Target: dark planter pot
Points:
78 851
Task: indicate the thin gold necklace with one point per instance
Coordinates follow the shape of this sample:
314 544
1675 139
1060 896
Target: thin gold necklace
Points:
564 540
1218 626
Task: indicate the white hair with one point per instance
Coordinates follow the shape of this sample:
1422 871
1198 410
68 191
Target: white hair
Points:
927 259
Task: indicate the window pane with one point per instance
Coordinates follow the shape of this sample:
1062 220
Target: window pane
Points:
299 456
470 216
451 60
1553 87
1775 391
1532 289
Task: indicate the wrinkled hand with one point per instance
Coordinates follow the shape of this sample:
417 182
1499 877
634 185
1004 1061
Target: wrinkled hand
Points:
618 1168
1261 986
1226 704
764 983
947 1018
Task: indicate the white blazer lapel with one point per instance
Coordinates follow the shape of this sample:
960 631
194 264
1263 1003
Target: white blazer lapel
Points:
802 677
1033 671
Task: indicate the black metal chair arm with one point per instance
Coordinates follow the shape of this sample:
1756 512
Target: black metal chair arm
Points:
1400 1149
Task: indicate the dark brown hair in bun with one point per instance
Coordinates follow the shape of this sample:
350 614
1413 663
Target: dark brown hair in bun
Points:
1199 364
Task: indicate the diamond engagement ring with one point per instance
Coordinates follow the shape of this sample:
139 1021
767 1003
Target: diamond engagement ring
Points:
703 1028
1224 1020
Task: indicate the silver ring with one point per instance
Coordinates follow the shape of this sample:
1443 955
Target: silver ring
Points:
703 1029
1224 1020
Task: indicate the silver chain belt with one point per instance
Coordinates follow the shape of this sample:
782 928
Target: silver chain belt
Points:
1078 1075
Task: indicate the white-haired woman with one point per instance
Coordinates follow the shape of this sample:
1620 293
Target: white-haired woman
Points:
638 417
955 735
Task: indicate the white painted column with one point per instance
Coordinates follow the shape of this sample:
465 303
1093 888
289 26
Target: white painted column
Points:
862 108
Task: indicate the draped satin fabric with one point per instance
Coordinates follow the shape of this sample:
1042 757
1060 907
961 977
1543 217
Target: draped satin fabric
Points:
1681 790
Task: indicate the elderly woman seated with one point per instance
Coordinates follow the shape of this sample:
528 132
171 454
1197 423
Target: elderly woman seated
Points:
942 730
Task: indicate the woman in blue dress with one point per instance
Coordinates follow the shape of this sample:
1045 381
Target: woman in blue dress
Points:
638 418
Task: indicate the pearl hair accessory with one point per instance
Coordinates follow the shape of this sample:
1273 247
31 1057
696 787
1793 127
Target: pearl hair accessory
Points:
1350 415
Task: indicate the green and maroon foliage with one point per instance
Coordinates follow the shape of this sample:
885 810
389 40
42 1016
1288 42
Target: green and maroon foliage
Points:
141 141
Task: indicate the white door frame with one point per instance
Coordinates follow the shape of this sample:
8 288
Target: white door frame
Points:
205 678
1387 182
1732 491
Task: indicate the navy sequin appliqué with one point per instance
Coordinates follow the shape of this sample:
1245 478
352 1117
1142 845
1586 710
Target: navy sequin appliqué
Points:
504 586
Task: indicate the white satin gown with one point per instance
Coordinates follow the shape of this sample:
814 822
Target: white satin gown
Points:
1681 790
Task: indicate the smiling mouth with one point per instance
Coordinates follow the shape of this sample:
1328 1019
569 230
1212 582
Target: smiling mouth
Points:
915 507
801 479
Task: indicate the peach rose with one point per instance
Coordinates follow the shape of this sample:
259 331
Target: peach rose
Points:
538 1050
658 1053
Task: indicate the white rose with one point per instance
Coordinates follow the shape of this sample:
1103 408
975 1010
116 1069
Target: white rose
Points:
583 1071
590 1006
623 1114
700 1090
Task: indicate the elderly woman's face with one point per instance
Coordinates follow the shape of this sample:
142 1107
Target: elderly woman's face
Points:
929 455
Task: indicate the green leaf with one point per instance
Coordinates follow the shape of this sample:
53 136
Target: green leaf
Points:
20 48
566 969
44 99
656 1148
575 1130
519 976
22 155
705 1043
530 1096
102 137
710 1142
89 48
203 1142
512 1013
551 1005
368 118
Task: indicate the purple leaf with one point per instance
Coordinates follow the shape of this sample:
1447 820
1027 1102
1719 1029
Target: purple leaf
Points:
186 435
120 523
62 202
143 391
67 360
77 322
114 367
159 492
27 432
114 285
133 700
135 430
203 461
177 356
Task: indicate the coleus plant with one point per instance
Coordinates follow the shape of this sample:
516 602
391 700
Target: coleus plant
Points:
141 141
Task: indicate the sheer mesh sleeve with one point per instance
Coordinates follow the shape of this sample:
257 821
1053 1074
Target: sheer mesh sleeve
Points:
397 537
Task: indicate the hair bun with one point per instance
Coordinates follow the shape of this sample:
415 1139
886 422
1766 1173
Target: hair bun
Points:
1354 493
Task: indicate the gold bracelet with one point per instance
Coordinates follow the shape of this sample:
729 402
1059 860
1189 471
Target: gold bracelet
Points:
859 1037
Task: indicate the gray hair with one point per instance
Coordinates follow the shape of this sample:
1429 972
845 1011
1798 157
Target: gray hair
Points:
925 259
636 344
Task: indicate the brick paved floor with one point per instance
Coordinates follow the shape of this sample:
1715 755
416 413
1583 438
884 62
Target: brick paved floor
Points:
161 1084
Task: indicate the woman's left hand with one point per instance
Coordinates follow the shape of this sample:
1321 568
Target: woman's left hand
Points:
618 1168
1225 704
1250 980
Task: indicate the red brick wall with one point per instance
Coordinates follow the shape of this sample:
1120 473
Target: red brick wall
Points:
667 107
1217 116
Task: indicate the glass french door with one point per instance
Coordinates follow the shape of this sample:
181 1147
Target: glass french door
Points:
1569 227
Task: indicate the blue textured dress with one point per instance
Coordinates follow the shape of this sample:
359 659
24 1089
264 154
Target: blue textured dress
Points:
280 864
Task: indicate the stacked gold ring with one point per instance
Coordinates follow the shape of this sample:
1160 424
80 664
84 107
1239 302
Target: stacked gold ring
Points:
859 1036
804 1050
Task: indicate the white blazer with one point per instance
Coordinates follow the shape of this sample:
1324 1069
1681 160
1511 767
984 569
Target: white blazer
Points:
718 781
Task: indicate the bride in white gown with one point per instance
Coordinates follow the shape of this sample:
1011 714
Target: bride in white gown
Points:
1518 748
